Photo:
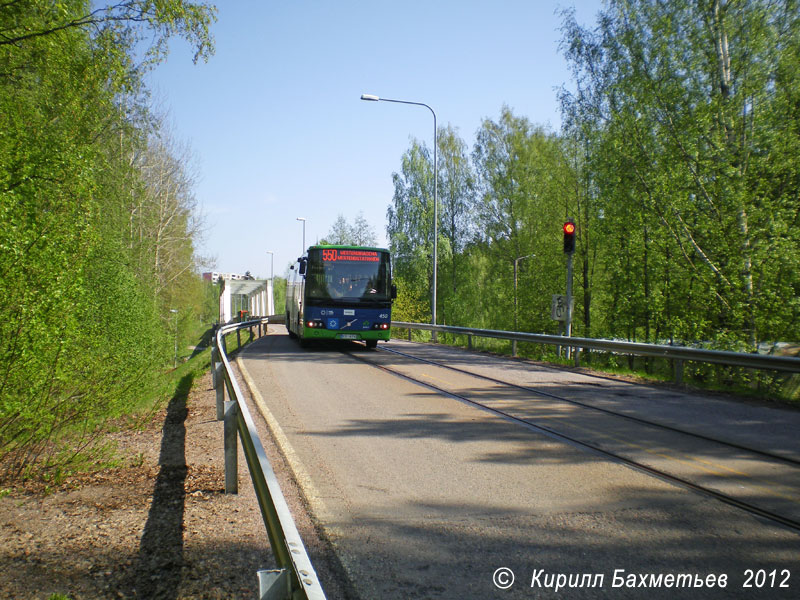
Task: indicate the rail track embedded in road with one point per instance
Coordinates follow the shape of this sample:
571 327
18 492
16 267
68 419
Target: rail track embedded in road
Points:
749 507
699 436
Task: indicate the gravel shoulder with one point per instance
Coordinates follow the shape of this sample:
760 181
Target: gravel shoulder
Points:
161 527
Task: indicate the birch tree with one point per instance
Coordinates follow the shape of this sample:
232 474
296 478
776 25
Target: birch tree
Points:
682 96
80 329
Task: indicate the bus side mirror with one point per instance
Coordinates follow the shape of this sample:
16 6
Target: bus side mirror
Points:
394 291
303 264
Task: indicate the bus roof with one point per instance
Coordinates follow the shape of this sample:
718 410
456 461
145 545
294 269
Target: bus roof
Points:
347 247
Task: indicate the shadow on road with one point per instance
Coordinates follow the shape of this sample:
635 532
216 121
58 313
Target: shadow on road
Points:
158 570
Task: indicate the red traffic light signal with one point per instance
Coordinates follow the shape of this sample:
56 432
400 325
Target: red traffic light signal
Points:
569 237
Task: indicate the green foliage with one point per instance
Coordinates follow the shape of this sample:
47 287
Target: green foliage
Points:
678 161
410 218
499 207
409 306
360 233
84 321
279 294
682 105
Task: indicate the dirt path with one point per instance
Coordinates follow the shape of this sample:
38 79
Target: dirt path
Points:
161 528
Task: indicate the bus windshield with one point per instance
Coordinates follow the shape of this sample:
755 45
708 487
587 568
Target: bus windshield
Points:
348 275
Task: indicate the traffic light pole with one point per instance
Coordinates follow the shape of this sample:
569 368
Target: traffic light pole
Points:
569 250
568 324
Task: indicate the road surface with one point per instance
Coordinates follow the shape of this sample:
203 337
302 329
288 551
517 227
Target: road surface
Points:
427 496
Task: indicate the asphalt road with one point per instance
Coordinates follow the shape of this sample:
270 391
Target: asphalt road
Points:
425 496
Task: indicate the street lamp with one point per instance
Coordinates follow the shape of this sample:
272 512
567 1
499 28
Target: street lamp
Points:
175 360
271 290
373 98
272 263
303 219
516 262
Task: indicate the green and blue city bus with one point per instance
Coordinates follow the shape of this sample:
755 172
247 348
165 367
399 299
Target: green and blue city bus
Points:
340 293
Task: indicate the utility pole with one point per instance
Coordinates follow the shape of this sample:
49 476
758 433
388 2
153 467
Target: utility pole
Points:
303 219
516 327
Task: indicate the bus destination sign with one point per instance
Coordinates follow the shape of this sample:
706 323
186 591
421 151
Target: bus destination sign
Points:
337 254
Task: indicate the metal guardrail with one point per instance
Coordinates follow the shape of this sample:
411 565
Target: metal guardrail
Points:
678 354
295 578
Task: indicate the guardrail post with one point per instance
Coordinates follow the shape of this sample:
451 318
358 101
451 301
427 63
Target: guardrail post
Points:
231 455
409 334
677 366
214 360
298 579
219 386
274 585
577 352
238 338
469 342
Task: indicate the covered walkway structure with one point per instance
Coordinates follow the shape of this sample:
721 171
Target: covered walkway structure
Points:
252 295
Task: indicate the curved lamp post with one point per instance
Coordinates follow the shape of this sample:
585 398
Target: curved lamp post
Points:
272 263
516 327
372 98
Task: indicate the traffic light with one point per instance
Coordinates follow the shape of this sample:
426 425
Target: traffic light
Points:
569 237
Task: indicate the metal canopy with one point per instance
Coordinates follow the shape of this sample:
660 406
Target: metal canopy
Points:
245 286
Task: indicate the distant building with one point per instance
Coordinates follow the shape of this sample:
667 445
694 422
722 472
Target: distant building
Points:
214 276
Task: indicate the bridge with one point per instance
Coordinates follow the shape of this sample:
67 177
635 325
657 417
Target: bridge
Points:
438 472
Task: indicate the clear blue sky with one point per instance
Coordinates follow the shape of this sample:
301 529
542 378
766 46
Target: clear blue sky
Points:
278 128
